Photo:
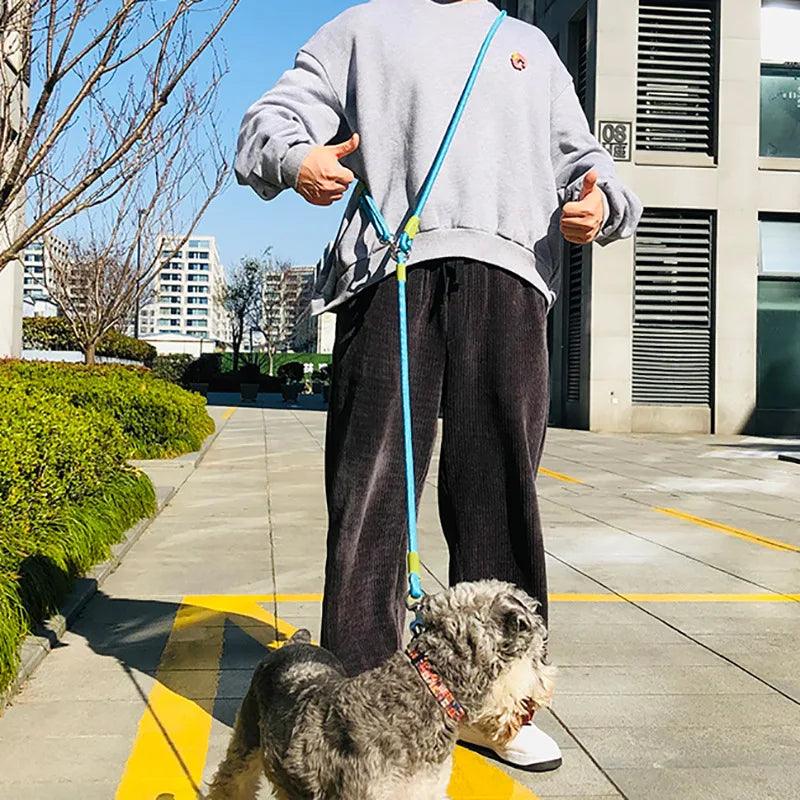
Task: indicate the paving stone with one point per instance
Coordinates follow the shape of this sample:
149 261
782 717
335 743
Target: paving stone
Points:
695 747
723 783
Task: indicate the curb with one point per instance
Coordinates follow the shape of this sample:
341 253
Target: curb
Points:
37 646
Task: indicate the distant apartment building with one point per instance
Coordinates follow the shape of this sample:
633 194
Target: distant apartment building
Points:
14 86
38 259
185 295
287 294
693 325
315 334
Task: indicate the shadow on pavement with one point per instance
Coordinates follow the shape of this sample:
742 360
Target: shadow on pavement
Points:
790 445
312 402
207 658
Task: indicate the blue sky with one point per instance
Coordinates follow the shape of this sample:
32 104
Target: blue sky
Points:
261 41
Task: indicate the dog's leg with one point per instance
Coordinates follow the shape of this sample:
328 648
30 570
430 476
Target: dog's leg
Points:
238 779
239 775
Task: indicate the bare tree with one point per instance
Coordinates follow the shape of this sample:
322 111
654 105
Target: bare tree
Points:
112 257
239 297
114 81
267 314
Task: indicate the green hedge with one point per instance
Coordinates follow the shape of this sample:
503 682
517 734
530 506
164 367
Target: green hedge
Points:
262 359
66 495
171 367
55 333
157 419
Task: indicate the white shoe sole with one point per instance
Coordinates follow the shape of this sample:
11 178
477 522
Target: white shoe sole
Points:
539 766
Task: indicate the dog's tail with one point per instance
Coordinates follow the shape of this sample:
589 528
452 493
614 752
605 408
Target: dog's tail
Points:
301 636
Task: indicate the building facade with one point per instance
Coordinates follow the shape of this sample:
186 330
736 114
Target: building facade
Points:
186 293
285 318
316 333
694 324
37 259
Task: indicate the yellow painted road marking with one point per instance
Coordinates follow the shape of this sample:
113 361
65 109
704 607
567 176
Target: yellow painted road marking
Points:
169 754
749 536
228 414
171 745
474 778
559 476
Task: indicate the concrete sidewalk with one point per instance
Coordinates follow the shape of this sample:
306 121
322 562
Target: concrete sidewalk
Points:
675 574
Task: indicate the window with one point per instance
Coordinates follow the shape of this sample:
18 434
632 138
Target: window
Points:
198 278
780 79
778 385
673 308
200 266
676 100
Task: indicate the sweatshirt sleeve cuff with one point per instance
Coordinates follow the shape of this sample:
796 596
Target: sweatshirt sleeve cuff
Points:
606 209
292 161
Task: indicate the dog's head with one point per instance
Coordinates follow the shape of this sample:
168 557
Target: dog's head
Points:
487 642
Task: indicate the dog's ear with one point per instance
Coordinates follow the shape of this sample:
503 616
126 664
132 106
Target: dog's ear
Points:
511 615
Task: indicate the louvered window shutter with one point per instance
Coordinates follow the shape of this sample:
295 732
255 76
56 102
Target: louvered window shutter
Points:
672 318
575 254
582 61
676 81
574 321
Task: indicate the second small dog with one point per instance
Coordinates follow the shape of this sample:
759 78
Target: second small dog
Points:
390 732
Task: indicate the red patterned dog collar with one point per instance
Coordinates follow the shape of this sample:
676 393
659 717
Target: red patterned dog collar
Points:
432 679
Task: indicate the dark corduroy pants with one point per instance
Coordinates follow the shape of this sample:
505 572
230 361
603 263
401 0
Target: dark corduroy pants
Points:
477 343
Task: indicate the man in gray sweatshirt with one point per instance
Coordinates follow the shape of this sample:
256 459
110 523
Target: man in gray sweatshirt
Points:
371 96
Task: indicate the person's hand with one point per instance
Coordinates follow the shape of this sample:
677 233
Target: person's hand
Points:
582 219
322 180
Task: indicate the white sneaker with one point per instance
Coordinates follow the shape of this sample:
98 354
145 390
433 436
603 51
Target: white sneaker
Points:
531 749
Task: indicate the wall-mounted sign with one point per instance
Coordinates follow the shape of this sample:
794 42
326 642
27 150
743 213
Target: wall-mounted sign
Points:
616 138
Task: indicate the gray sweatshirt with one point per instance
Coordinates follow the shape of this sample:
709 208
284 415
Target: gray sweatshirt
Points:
392 71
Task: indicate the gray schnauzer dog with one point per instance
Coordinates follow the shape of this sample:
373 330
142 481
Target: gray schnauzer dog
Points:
477 659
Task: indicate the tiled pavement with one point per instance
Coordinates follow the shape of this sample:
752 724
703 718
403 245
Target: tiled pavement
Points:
675 571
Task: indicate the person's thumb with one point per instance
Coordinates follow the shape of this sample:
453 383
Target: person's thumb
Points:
346 148
589 183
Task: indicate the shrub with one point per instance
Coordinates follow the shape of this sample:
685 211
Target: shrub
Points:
210 369
66 495
171 367
157 419
55 333
292 371
203 369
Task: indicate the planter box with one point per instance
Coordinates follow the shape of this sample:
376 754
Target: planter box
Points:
249 392
291 393
200 388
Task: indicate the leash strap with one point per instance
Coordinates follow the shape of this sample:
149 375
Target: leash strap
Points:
401 250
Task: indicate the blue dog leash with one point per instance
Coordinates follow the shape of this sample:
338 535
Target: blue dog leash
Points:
401 251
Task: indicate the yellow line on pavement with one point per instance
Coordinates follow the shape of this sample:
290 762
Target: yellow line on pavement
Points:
171 745
228 414
474 778
748 536
559 476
